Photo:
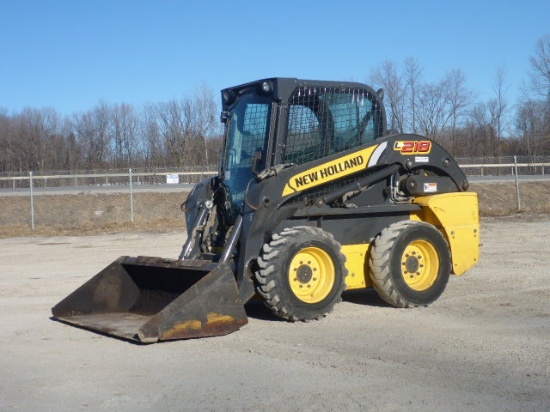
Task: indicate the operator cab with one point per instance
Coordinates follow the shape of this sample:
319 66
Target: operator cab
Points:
289 121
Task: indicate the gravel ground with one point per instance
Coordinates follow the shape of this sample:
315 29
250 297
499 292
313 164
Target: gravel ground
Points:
485 345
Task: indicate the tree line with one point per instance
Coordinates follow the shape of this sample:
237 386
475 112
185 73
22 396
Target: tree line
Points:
186 132
448 111
179 132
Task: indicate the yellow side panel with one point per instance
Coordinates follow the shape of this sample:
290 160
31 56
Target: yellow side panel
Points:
457 216
357 265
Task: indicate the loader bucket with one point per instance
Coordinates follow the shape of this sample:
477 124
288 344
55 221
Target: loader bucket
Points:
149 299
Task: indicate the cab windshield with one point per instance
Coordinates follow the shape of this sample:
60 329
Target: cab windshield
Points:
247 131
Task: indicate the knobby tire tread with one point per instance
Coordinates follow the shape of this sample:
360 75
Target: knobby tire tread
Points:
272 272
379 264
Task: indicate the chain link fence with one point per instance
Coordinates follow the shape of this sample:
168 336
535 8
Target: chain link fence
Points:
488 168
145 199
93 201
510 184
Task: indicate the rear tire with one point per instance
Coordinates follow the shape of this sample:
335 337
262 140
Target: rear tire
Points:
410 264
301 273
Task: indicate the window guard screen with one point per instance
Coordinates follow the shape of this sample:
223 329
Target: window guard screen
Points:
323 121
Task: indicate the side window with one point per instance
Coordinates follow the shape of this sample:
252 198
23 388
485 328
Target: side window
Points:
303 135
256 119
324 120
248 132
352 118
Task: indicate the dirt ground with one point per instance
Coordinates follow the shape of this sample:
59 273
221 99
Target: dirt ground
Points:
485 345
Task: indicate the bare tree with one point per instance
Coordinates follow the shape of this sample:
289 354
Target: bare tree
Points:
154 150
532 123
170 126
185 125
181 132
413 78
497 108
6 154
34 130
204 114
540 64
477 136
92 133
73 155
125 124
533 115
458 97
387 76
431 111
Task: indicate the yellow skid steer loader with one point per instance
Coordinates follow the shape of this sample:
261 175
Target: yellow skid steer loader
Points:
313 196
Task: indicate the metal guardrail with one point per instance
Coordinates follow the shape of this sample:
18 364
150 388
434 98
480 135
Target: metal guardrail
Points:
512 167
122 178
107 175
115 178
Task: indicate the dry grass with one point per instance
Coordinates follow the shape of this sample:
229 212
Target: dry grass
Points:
91 213
500 199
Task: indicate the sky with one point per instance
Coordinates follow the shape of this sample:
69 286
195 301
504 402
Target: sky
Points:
74 54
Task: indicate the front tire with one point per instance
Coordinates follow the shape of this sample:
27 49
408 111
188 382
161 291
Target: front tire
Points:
301 273
410 264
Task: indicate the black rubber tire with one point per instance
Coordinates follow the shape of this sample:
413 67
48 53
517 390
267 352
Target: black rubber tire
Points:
403 275
281 292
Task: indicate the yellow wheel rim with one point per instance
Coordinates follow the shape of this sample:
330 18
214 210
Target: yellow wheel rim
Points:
311 275
420 265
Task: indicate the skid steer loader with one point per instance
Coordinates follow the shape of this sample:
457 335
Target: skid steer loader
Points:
313 197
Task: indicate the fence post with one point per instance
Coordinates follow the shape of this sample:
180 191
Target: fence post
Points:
517 182
32 200
131 196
